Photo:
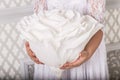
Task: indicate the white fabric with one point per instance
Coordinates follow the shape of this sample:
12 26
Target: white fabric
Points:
58 36
93 69
96 67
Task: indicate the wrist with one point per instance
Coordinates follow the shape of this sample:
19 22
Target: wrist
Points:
84 53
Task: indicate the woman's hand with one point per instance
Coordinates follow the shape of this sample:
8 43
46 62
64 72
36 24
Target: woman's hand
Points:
82 57
88 51
31 54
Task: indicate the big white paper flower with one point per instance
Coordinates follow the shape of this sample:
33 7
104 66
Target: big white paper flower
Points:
58 36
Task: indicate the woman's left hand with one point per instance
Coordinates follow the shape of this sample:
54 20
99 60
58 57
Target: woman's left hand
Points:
82 57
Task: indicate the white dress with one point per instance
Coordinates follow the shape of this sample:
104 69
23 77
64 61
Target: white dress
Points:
96 67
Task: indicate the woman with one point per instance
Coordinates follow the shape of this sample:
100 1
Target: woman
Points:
92 63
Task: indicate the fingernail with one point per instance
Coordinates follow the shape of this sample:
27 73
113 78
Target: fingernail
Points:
26 43
33 54
66 64
80 54
36 59
38 62
62 68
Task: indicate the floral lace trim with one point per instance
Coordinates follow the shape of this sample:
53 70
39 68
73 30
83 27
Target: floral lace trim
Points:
96 8
40 4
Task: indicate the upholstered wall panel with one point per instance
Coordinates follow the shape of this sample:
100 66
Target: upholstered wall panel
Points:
112 28
14 3
11 51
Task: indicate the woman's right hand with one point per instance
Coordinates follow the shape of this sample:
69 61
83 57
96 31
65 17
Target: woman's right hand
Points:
31 53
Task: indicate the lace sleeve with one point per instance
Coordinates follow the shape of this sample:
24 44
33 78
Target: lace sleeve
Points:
96 9
39 4
36 6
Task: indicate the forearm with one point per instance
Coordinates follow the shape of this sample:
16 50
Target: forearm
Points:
94 43
91 46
